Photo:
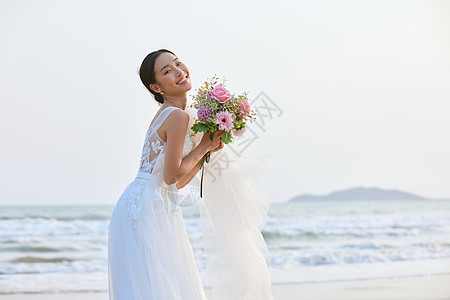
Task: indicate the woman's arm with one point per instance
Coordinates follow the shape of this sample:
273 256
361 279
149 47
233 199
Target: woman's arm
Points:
175 165
184 179
187 177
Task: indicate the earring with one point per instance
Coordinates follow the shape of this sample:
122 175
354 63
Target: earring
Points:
161 93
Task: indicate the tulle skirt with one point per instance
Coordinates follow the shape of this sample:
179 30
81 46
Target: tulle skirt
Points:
233 212
149 253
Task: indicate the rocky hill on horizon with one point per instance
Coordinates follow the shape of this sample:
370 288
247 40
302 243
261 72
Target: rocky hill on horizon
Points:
363 193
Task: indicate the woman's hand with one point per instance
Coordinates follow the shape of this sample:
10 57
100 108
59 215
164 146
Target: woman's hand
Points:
219 147
214 145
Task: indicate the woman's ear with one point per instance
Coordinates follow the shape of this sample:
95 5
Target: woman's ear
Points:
155 87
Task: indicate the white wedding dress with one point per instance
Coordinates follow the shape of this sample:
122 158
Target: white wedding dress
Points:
149 253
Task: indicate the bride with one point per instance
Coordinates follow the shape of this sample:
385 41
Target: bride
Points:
149 252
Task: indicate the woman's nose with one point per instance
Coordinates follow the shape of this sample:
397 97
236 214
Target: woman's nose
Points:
179 72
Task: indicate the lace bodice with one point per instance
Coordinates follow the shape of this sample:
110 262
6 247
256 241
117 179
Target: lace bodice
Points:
153 151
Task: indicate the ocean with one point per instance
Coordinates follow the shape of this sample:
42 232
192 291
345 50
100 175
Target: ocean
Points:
47 249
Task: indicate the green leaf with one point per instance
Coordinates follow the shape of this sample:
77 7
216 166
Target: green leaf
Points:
226 137
199 127
211 126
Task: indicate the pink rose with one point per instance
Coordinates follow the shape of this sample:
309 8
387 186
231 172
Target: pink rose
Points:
220 94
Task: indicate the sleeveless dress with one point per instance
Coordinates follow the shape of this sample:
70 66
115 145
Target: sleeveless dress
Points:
149 253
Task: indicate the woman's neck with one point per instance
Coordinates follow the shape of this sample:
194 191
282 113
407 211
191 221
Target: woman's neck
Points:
178 101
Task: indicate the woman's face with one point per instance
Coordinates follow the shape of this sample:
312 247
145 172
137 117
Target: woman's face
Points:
172 75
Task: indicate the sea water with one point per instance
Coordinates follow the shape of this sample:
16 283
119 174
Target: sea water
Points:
47 249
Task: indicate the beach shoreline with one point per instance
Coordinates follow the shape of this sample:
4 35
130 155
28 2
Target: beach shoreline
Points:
434 287
359 251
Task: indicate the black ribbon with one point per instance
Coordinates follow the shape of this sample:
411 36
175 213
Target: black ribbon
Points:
205 158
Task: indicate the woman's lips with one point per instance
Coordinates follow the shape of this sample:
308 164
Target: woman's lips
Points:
183 81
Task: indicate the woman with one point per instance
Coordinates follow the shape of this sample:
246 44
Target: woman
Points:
149 253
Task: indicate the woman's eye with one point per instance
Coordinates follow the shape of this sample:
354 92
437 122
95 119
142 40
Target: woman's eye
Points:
179 63
166 72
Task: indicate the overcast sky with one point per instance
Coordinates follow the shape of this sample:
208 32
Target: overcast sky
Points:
364 89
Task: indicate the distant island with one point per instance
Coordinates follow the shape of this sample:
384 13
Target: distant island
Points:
362 193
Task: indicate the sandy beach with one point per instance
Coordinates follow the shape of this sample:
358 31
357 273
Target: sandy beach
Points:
435 287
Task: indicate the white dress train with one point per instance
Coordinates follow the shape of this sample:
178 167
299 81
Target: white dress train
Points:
149 253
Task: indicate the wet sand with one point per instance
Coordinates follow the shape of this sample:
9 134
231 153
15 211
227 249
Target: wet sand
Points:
436 287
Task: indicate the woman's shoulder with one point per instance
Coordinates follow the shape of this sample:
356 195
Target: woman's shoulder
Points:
174 119
176 114
169 112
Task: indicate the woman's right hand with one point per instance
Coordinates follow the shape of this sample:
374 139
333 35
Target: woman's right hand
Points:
215 142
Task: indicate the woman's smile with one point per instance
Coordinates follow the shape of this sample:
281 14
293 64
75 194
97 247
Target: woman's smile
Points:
184 80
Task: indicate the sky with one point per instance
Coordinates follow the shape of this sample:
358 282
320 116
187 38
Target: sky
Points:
362 87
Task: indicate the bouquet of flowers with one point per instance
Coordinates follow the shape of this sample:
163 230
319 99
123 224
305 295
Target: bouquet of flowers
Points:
218 109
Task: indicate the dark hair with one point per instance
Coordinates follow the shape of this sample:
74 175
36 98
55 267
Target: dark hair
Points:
147 72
